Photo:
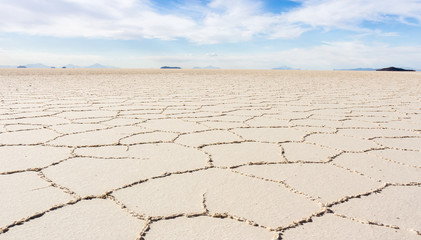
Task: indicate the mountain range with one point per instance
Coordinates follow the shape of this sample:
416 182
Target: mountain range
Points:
285 68
207 67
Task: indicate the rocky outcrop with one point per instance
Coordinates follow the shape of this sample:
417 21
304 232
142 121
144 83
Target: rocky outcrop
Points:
394 69
167 67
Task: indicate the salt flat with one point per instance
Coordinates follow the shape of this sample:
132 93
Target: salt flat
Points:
209 154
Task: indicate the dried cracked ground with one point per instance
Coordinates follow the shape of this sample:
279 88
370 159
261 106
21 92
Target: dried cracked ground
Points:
143 154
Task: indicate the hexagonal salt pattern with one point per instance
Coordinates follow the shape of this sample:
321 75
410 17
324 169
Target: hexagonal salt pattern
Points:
395 206
334 227
149 154
26 194
221 192
205 228
90 219
324 182
19 158
242 153
96 176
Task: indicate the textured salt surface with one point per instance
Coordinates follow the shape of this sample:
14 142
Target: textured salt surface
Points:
150 154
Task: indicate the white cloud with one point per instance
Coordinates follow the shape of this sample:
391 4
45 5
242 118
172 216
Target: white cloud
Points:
128 19
211 54
349 14
240 20
218 21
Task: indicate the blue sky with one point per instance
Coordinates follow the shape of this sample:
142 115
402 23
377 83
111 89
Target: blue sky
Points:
240 34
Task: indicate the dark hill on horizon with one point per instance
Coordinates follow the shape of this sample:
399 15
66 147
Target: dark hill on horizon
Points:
167 67
395 69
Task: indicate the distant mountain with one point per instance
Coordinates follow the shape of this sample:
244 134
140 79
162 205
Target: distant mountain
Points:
72 66
285 68
395 69
416 69
37 65
167 67
356 69
97 65
207 67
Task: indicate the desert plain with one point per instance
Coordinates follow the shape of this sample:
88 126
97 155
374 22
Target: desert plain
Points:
209 154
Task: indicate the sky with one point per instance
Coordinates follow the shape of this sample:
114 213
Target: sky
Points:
231 34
